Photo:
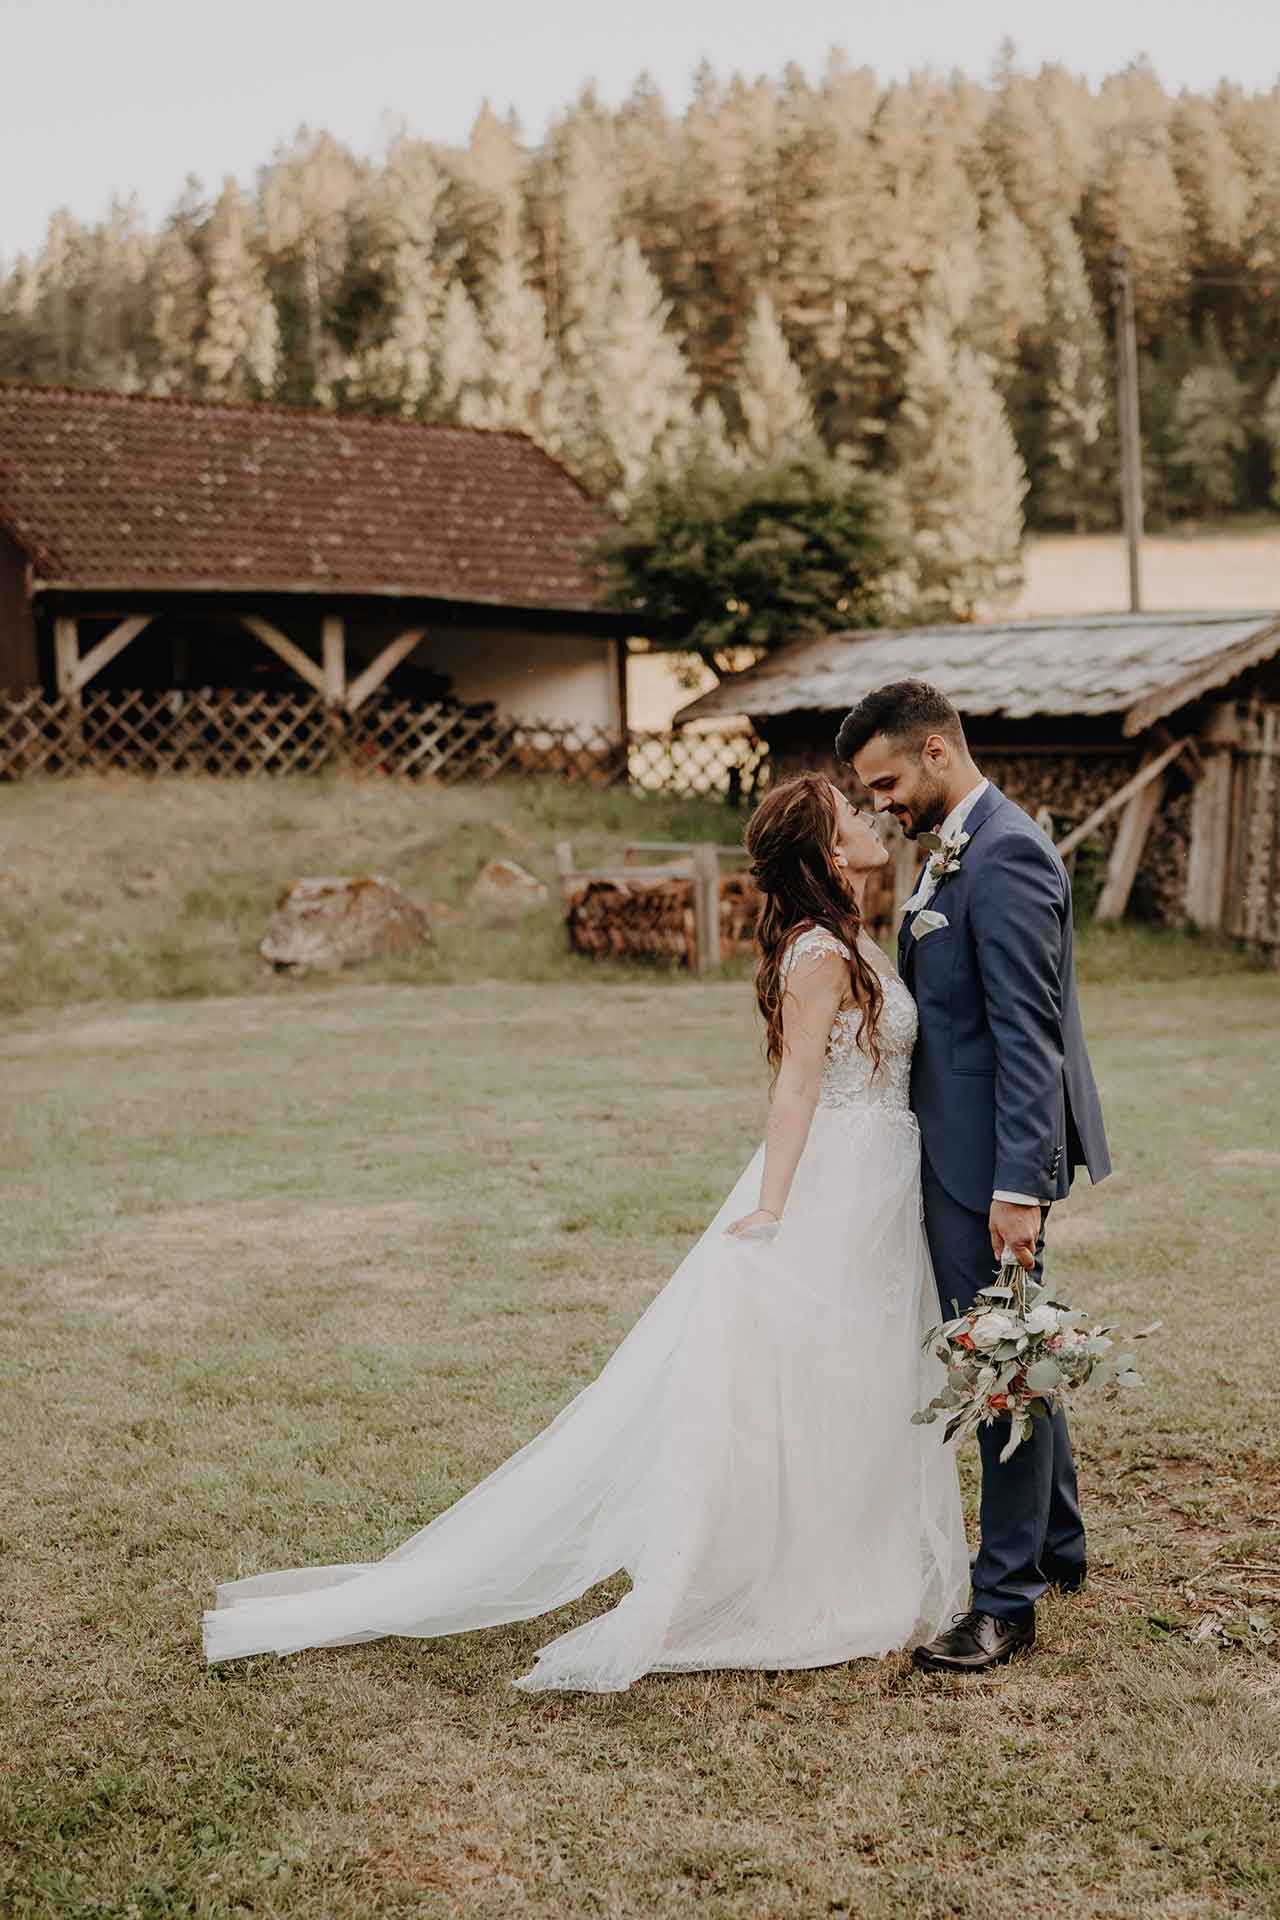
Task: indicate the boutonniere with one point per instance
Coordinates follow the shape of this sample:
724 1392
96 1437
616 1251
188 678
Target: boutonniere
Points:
945 854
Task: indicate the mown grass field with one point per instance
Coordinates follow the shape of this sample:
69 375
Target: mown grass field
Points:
284 1272
127 888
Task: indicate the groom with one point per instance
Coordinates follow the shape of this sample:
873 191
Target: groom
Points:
1002 1088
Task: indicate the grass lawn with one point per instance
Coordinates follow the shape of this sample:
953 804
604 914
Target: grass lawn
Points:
128 888
284 1273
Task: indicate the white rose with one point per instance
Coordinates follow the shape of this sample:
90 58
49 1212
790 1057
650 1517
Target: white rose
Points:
1043 1319
991 1328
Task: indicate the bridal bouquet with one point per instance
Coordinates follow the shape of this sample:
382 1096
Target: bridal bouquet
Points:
1015 1354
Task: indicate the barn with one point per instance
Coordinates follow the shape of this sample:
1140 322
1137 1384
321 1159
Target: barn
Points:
170 545
1149 742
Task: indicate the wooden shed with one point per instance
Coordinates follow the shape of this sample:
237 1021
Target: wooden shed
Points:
1152 737
172 543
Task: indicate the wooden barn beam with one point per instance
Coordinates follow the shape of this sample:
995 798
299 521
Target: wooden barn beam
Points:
1152 771
1126 854
108 647
66 653
1205 899
333 633
280 644
381 665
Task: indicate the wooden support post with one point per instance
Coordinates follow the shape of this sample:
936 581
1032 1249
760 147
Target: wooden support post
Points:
621 715
1205 899
706 905
292 655
107 648
66 654
66 661
1127 414
1126 854
333 634
381 665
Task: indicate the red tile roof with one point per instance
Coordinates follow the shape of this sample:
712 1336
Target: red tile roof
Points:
113 490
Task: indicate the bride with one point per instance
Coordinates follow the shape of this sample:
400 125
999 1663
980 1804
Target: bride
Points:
747 1455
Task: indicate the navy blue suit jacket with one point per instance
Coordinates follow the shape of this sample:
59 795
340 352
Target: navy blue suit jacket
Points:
1001 1083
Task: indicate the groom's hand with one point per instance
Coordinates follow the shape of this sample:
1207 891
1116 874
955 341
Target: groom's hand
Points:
1017 1228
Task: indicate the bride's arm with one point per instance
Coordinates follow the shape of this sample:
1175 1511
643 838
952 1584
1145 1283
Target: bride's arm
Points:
815 990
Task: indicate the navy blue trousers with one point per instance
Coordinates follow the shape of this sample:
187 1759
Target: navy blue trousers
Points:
1030 1505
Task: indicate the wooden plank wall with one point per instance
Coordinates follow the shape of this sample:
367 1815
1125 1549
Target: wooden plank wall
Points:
19 660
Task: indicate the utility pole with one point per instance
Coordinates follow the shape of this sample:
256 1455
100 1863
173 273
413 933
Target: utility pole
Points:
1127 415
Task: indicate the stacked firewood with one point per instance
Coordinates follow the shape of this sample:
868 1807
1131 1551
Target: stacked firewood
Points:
648 920
654 919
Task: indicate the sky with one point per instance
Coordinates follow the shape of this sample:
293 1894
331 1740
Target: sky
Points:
132 96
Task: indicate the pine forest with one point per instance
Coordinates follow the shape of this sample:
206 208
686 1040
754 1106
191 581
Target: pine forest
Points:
917 275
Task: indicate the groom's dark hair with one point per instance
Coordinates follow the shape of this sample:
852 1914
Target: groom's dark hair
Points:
908 710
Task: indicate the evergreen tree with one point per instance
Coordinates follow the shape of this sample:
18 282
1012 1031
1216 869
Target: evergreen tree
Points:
492 176
587 195
822 260
1136 200
779 419
1009 300
19 306
236 358
309 193
519 390
1078 384
1209 436
1271 434
633 404
175 292
398 370
1213 183
957 483
462 357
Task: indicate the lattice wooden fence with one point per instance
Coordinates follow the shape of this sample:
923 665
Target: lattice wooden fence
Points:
236 733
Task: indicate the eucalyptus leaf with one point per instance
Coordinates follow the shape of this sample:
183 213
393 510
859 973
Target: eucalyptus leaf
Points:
933 841
1044 1375
1143 1332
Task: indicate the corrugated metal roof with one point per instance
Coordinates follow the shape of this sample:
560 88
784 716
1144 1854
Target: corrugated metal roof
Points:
1142 665
126 491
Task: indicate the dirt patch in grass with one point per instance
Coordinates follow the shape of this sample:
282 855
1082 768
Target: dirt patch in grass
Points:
1194 1545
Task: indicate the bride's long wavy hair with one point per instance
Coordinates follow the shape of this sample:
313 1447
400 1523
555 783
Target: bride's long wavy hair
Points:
791 840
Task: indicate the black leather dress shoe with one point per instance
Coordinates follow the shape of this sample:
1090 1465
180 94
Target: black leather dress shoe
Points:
974 1642
1067 1576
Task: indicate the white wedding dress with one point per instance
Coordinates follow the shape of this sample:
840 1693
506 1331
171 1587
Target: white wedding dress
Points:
746 1456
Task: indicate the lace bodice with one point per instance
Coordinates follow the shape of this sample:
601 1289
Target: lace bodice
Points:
848 1077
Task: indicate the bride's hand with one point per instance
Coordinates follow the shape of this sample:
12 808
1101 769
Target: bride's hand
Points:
754 1222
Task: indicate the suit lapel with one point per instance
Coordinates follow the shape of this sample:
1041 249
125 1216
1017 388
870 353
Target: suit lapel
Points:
980 812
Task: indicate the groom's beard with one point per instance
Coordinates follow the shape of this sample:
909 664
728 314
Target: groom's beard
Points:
925 813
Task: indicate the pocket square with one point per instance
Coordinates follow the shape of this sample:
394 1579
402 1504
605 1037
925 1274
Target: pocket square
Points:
928 921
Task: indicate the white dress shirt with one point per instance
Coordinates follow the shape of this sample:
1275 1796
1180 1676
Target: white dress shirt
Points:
954 823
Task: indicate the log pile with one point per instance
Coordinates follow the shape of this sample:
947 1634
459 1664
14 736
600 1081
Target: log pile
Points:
653 919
